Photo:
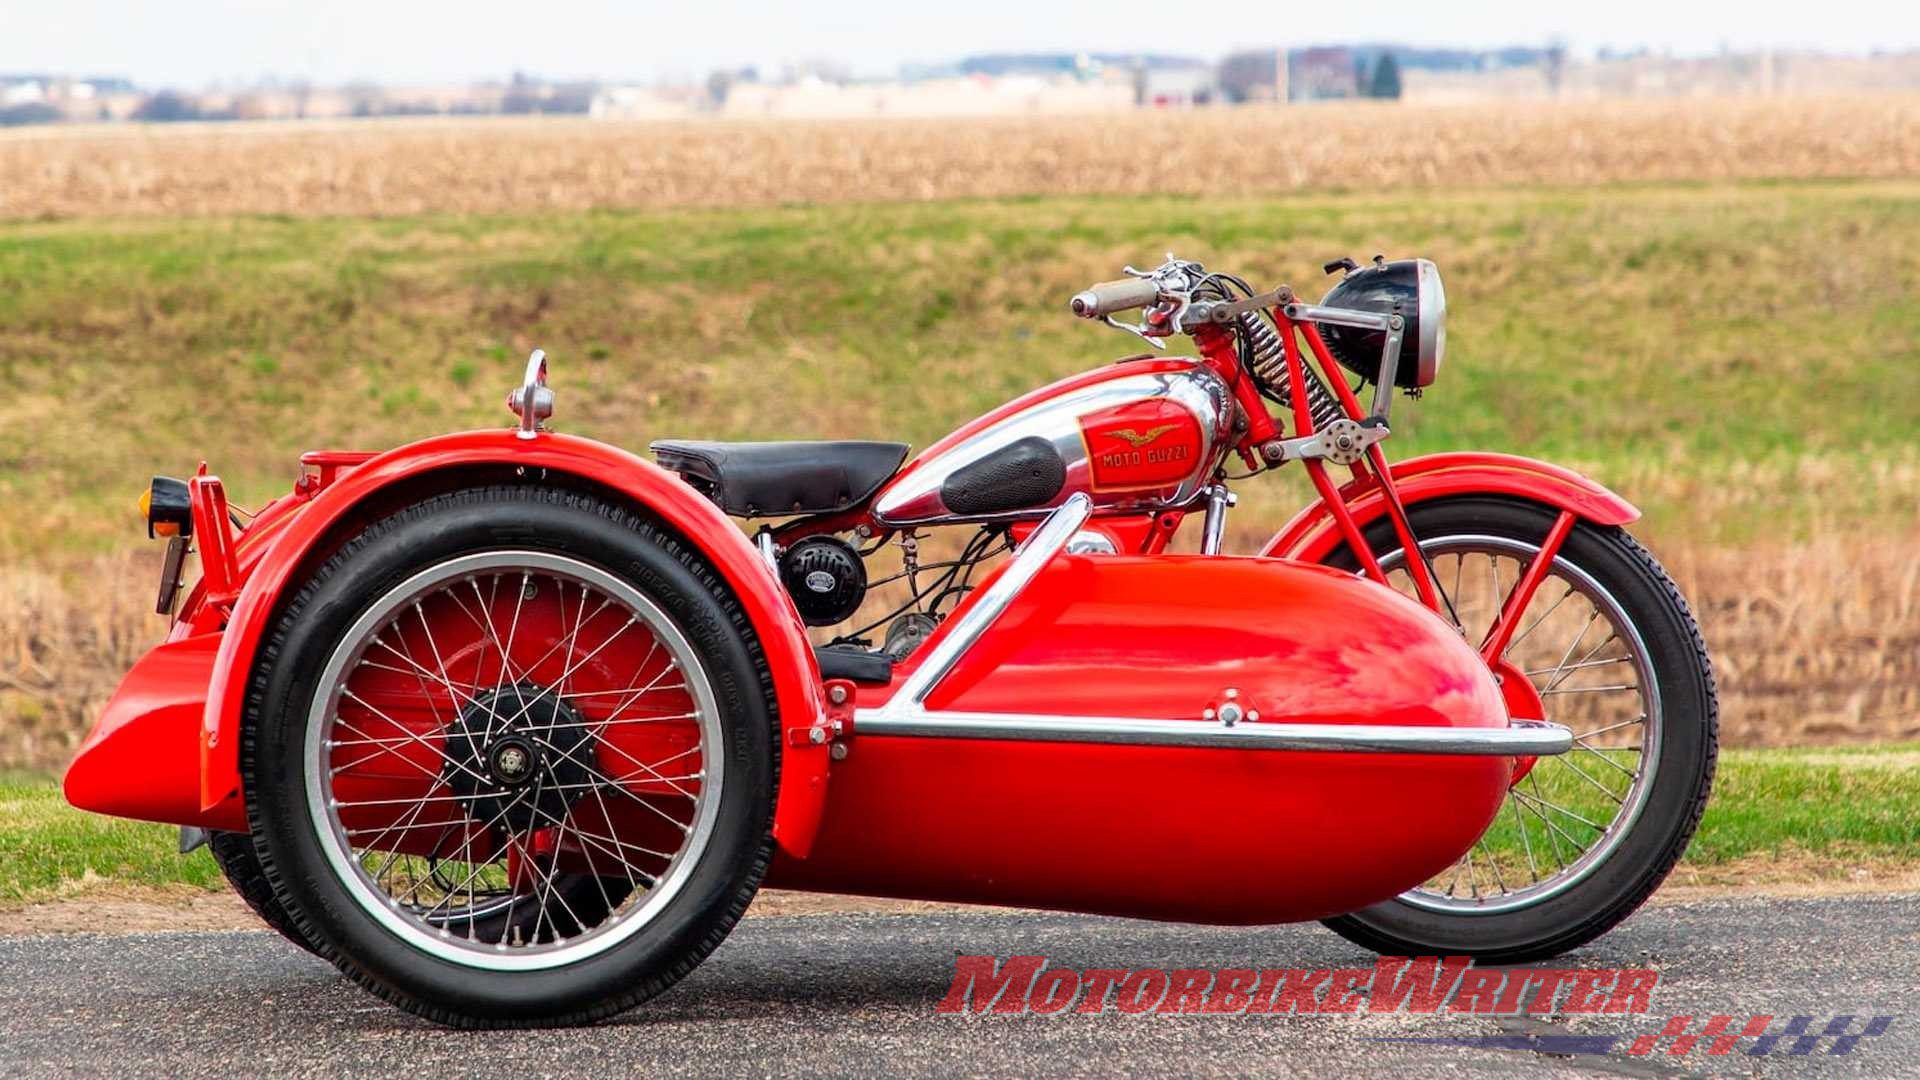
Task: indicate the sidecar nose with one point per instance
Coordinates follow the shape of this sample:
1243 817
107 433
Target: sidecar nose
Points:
142 759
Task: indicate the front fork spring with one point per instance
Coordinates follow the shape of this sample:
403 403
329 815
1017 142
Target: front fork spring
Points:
1270 367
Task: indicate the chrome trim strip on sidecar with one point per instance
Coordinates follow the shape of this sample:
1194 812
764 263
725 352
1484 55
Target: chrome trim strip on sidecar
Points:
1525 738
906 712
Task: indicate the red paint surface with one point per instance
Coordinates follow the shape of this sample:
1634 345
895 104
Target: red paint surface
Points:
1223 836
142 759
1143 445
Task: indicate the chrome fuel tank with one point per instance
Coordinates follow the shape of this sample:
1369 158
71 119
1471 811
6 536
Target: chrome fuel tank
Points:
1137 435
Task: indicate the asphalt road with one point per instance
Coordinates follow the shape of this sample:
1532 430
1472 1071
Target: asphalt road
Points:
855 994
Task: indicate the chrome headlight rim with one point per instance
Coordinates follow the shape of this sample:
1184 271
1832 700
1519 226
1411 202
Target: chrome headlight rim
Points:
1432 344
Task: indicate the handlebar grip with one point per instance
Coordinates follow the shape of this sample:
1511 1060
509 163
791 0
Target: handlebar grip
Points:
1111 296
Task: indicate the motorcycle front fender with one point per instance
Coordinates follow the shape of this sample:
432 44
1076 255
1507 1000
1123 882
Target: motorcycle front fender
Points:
1312 535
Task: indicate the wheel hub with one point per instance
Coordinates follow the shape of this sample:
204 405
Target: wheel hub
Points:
512 761
518 757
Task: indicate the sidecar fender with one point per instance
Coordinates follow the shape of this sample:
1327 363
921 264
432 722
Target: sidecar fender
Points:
438 464
1312 535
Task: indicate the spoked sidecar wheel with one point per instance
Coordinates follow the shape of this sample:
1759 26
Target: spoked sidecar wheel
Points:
508 759
1607 648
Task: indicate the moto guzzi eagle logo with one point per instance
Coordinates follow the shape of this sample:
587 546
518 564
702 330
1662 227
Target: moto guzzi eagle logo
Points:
1138 440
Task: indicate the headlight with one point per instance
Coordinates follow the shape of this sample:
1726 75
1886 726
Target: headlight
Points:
1409 288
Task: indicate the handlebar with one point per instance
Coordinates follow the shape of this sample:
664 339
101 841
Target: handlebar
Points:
1111 296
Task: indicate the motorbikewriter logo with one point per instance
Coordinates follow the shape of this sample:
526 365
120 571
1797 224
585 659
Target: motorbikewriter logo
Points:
1398 984
1427 984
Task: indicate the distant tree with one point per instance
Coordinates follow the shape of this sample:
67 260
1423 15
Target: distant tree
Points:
1386 78
31 112
166 107
719 85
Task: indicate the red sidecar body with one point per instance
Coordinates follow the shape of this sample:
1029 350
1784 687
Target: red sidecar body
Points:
1230 740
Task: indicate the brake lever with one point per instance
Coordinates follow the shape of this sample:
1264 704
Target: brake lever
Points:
1139 331
1176 319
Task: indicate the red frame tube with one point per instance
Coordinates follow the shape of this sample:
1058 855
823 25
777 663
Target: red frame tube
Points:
1516 605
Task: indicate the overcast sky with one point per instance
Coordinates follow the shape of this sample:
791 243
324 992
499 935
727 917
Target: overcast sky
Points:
193 42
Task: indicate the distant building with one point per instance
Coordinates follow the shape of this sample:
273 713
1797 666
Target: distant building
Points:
1254 75
1322 74
636 103
1181 87
977 95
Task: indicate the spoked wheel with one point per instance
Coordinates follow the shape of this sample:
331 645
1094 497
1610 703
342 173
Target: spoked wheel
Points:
1606 648
509 761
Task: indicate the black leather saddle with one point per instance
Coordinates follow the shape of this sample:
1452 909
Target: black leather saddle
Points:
778 479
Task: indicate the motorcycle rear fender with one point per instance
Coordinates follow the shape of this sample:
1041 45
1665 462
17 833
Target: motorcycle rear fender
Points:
1312 535
424 468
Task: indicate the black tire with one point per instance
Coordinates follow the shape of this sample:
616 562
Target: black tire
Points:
233 853
1683 677
660 566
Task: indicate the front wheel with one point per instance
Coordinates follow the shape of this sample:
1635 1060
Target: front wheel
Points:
508 759
1607 648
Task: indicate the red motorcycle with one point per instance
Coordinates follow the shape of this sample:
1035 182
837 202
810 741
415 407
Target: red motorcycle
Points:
510 725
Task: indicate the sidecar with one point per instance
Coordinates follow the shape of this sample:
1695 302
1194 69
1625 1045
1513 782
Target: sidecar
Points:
518 722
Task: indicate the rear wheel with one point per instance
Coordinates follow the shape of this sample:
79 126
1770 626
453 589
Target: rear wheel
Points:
509 759
1607 648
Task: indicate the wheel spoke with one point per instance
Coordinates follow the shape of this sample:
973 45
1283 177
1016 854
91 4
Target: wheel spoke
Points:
1534 782
1520 826
1591 689
1583 664
1641 719
1555 606
1610 638
1553 680
1602 755
1563 811
1588 777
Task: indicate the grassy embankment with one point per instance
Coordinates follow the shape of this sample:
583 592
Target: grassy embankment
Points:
1738 359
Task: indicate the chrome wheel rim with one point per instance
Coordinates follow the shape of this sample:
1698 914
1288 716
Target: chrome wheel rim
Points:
532 633
1565 816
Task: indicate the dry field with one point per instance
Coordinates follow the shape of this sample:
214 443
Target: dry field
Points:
1814 643
490 166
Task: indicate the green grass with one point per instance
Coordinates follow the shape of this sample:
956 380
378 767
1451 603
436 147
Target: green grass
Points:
1846 806
47 848
1732 356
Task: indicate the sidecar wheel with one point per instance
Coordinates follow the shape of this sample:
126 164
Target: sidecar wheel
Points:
1608 648
233 853
509 760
